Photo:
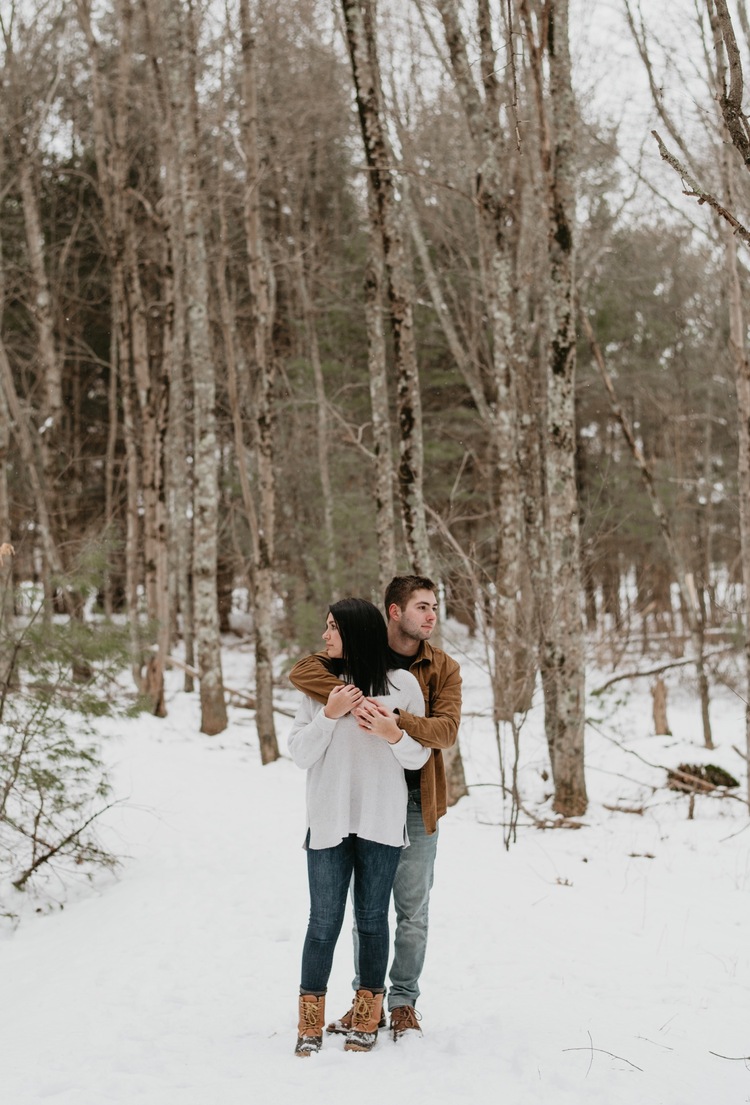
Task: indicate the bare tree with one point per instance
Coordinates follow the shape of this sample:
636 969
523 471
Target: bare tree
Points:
547 38
186 119
263 363
359 17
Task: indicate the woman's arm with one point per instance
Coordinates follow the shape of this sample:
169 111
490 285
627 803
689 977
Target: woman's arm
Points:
311 733
312 728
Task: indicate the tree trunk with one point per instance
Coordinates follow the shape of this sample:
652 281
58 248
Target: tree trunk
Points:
741 364
177 480
659 694
205 466
563 652
381 423
322 426
262 360
359 18
498 404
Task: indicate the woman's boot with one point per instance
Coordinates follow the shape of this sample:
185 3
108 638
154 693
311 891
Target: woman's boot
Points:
366 1014
312 1017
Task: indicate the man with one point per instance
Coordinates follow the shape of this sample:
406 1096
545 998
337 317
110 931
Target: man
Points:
411 612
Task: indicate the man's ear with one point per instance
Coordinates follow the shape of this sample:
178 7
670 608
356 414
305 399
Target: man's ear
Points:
394 612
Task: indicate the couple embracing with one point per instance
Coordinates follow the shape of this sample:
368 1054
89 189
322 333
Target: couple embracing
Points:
379 706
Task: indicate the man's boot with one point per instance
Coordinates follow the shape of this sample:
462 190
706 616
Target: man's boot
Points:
404 1018
343 1025
312 1016
366 1014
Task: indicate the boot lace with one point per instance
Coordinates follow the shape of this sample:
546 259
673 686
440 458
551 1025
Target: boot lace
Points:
363 1004
310 1013
403 1018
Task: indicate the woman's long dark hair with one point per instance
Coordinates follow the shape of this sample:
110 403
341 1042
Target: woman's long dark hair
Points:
364 639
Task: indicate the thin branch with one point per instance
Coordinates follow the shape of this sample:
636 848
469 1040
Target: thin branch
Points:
52 851
708 789
695 191
657 670
602 1051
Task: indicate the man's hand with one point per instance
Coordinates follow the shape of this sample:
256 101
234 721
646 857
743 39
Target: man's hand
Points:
342 700
374 718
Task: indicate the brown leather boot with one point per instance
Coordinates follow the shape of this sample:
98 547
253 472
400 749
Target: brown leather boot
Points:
343 1025
366 1014
312 1016
404 1018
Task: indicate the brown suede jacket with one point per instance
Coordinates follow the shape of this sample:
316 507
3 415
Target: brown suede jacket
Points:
439 676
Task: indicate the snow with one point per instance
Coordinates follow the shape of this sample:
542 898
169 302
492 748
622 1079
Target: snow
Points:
608 963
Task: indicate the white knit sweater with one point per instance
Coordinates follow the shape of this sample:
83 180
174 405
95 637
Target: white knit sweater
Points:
355 781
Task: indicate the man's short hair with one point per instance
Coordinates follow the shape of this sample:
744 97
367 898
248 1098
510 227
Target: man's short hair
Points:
401 588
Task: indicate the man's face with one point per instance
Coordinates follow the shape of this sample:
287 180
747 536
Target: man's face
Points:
418 618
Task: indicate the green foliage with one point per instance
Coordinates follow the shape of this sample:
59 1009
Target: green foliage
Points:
56 682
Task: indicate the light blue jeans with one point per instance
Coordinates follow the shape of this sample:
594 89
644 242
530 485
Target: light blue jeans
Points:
411 899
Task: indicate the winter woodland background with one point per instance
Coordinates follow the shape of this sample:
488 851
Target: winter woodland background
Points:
296 295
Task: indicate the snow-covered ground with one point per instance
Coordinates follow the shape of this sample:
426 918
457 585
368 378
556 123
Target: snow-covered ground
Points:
606 964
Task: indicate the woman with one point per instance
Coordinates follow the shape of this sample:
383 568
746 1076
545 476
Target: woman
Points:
356 812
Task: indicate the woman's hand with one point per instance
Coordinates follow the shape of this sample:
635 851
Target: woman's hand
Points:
342 700
373 717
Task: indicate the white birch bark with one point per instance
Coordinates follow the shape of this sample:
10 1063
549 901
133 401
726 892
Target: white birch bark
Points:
322 423
185 117
359 17
499 402
178 476
563 642
144 435
262 360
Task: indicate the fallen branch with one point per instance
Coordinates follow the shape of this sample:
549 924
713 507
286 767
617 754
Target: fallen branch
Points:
658 670
709 789
731 1058
620 1058
239 698
639 810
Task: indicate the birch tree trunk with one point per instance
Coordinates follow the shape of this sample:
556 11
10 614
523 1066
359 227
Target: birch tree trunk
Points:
359 17
144 379
23 138
322 422
562 647
498 403
729 95
263 362
178 476
185 116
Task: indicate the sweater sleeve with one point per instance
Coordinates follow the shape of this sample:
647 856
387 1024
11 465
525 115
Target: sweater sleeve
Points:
409 753
311 733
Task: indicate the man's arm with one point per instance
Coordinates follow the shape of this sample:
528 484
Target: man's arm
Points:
440 729
310 676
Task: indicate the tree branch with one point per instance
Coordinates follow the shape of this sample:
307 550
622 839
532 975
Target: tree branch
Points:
695 191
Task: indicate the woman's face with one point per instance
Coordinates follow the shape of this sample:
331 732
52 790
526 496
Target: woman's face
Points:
332 638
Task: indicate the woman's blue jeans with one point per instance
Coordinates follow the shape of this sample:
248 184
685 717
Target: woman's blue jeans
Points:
329 873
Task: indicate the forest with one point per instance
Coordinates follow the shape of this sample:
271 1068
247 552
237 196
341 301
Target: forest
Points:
295 296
